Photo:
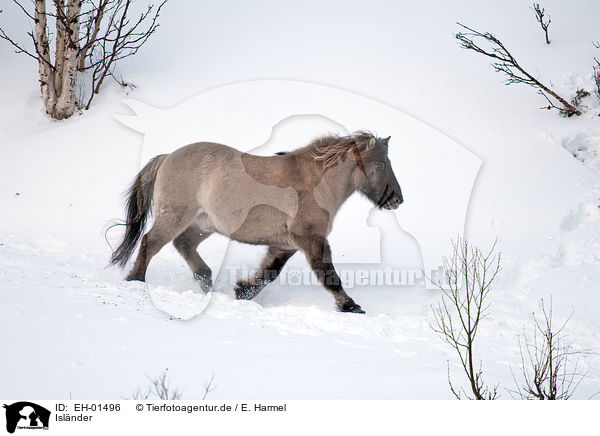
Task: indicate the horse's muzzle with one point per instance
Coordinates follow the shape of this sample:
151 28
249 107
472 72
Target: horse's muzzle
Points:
393 203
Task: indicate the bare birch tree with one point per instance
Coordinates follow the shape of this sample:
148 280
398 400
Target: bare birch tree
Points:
90 37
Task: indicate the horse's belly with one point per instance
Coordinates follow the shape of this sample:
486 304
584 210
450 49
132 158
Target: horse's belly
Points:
261 225
252 219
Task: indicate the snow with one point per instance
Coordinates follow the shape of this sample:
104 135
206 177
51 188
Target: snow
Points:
71 326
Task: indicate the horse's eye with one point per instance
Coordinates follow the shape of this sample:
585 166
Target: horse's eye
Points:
380 165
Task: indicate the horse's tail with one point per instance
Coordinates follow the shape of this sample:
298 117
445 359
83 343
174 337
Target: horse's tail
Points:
139 203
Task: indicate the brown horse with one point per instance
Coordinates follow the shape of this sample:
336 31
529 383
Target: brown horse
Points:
286 202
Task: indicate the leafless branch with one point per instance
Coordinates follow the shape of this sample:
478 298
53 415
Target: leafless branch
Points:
23 9
597 78
17 46
549 367
92 27
596 74
468 276
209 386
122 38
540 16
505 62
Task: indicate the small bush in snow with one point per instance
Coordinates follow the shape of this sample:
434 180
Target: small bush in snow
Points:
549 364
549 368
580 94
160 389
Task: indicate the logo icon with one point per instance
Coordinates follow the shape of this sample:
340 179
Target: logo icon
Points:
26 415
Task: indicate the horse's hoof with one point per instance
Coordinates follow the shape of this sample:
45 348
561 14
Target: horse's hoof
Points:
351 307
206 287
204 281
244 291
134 278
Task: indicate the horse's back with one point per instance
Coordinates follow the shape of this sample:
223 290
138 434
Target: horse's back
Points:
183 172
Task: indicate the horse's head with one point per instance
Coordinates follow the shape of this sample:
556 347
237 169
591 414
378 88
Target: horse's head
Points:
374 176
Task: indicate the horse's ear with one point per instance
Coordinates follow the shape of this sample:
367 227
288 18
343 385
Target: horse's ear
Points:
371 143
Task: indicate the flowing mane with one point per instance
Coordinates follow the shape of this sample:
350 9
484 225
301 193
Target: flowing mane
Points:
329 149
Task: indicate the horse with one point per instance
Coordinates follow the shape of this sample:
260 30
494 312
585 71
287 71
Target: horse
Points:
287 202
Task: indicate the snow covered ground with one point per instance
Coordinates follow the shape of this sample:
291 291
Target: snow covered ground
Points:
71 327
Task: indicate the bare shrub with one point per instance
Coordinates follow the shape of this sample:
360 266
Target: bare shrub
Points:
160 388
549 364
577 101
540 16
504 62
468 276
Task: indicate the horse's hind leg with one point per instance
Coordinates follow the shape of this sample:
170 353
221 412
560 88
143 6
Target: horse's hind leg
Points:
269 269
165 228
187 243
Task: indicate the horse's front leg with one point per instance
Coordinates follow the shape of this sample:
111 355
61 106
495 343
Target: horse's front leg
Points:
269 270
318 253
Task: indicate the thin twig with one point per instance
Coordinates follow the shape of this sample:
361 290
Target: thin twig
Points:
541 18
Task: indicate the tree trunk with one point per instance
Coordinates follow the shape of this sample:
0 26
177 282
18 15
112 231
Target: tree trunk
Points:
44 62
61 35
65 105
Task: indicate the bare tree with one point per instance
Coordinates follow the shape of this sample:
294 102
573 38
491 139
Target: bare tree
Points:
90 37
540 16
549 364
468 276
505 62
